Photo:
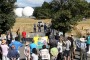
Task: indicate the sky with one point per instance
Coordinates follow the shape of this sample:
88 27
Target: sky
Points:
32 3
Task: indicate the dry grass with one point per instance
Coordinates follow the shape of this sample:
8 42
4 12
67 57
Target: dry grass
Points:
83 27
27 24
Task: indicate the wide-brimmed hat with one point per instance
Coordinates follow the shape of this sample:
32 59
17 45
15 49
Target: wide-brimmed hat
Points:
3 41
27 43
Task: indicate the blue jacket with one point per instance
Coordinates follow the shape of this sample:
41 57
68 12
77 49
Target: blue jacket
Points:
17 44
13 54
32 45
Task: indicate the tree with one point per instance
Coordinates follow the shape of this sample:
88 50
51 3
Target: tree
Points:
64 13
7 17
43 12
68 14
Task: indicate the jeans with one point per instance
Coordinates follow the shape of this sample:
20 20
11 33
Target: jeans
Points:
83 55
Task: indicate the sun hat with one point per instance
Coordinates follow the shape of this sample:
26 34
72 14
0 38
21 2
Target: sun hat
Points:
27 43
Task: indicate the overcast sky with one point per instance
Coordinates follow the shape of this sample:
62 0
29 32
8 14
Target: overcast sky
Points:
32 3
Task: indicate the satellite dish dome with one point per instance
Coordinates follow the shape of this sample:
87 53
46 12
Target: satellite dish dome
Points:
18 12
28 11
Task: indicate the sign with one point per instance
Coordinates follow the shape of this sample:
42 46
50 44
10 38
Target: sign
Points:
40 41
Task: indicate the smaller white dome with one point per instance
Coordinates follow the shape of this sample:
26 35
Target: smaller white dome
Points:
28 11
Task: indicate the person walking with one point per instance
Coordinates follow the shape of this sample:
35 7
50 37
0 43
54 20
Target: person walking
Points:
5 48
24 37
27 51
13 54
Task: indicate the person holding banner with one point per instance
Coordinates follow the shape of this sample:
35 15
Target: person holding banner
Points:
44 53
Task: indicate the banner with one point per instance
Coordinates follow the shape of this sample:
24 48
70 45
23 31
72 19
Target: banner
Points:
40 41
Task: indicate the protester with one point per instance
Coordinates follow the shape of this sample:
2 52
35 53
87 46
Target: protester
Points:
27 51
54 53
83 54
24 37
34 55
9 37
57 36
13 54
73 44
44 53
34 28
52 43
0 53
5 48
67 50
32 45
39 27
60 50
45 27
17 45
72 47
88 43
18 38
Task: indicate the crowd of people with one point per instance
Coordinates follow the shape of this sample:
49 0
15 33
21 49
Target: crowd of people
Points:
58 48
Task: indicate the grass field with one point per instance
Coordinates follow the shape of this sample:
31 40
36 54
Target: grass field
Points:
27 25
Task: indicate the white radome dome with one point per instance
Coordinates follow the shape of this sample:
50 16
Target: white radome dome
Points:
18 12
28 11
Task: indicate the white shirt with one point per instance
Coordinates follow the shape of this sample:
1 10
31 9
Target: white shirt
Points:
59 46
34 56
68 44
45 54
5 49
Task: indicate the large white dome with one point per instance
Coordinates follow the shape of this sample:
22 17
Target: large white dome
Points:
18 12
28 11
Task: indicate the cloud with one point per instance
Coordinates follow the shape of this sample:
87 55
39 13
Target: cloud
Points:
32 3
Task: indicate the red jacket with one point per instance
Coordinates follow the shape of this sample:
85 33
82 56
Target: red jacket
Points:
24 34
